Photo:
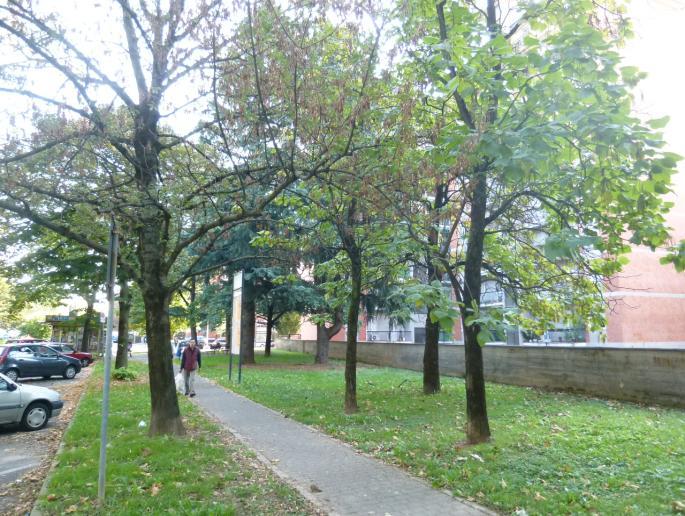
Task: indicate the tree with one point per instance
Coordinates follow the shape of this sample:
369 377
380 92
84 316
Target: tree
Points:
541 162
371 251
6 316
35 328
250 79
283 295
124 300
289 324
48 268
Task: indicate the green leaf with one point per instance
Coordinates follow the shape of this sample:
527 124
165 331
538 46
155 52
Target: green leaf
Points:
659 123
484 336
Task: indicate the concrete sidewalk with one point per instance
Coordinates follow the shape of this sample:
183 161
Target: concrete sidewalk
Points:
326 471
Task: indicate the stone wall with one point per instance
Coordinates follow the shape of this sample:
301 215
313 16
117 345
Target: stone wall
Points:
643 375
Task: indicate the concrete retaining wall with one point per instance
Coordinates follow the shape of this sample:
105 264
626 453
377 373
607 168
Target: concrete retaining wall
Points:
644 375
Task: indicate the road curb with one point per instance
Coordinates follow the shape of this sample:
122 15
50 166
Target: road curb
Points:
35 511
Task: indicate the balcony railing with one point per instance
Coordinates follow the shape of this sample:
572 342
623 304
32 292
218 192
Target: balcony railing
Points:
389 335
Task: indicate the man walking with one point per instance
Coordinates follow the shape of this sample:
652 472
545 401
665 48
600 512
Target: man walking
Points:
191 361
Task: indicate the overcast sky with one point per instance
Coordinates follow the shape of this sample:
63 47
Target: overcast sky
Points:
657 49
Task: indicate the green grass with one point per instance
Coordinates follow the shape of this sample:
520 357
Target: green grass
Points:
551 453
206 472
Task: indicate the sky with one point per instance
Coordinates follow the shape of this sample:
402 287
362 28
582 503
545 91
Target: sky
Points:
659 27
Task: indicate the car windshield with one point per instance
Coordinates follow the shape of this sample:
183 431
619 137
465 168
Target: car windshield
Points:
67 349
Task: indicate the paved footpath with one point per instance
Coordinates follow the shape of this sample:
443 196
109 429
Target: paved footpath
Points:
327 471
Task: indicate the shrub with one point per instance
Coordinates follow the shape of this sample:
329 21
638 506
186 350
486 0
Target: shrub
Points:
124 374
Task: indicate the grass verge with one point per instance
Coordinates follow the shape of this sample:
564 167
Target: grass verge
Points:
205 472
551 453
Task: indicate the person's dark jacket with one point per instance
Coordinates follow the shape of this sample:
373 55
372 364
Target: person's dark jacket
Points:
192 357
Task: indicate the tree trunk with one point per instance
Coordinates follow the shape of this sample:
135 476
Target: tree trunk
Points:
87 324
352 325
324 336
431 349
247 324
124 311
269 327
152 230
192 321
431 366
477 426
322 344
166 416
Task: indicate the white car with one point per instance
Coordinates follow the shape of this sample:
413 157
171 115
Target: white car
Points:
29 405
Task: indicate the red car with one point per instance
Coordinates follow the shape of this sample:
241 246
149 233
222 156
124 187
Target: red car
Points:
85 358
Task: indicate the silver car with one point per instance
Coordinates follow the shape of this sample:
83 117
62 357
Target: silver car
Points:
29 405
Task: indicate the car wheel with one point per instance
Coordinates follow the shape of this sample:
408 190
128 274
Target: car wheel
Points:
84 362
69 372
12 374
35 416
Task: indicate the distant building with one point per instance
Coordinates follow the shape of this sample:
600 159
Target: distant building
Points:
69 329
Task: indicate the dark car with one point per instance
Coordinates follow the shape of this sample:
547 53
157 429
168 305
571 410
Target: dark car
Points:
25 360
85 358
180 347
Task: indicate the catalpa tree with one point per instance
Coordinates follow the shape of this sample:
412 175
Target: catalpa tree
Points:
533 172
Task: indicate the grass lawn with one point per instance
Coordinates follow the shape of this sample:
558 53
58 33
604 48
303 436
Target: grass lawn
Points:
206 472
551 453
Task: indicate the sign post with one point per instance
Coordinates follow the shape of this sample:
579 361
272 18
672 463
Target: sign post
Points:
111 281
235 325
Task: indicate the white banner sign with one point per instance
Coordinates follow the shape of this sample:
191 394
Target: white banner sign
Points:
237 312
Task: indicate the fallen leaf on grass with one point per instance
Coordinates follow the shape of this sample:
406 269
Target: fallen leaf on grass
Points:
155 489
52 497
678 507
538 496
71 509
477 457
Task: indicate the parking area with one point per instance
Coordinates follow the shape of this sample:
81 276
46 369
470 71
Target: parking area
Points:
25 457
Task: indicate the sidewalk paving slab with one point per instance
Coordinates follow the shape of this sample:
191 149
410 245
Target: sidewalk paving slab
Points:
328 472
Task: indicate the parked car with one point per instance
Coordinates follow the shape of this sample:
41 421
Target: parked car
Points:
29 405
25 340
85 358
26 360
180 347
217 343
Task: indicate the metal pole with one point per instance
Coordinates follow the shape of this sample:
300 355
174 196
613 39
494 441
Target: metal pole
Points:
240 364
230 363
111 280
